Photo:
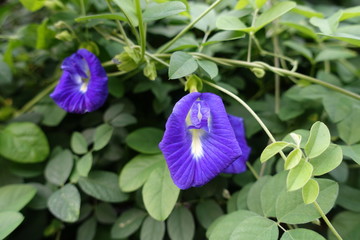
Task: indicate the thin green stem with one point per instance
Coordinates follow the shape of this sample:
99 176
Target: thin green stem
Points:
36 99
251 35
82 6
121 29
115 74
247 107
157 59
141 28
188 27
252 170
280 71
275 41
327 221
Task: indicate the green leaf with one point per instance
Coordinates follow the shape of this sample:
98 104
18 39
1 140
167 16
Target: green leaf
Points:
128 8
293 159
301 234
327 161
307 11
231 23
319 140
145 140
23 142
300 48
330 54
103 186
254 195
5 73
14 197
180 225
138 170
52 113
105 213
33 5
346 37
260 3
224 36
209 67
160 193
43 193
352 152
349 198
102 136
241 198
270 192
207 22
310 191
290 206
273 13
59 167
299 175
127 223
112 16
329 25
224 226
272 149
65 203
78 143
337 106
87 230
181 65
350 13
123 120
44 34
347 224
152 229
9 221
158 11
207 212
256 228
348 128
84 164
305 30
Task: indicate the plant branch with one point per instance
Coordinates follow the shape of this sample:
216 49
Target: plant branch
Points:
280 71
327 221
188 27
141 28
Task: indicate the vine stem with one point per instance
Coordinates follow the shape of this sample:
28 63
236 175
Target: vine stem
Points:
280 71
188 27
247 107
141 28
36 99
251 35
328 223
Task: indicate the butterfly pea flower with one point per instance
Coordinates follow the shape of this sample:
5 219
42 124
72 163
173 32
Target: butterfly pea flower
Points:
201 141
83 85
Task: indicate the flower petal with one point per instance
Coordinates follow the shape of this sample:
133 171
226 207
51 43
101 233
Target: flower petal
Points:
75 95
239 165
195 156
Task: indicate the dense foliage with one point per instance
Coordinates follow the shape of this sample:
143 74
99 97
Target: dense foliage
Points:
288 68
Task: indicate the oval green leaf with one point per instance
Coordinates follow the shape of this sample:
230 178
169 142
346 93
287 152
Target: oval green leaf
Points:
181 65
319 140
14 197
103 186
272 149
152 229
78 143
145 140
293 159
162 10
9 221
299 176
65 203
23 142
102 136
310 191
301 234
328 160
181 225
127 223
59 167
160 193
138 170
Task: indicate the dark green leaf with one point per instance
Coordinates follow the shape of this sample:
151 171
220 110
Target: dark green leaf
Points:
152 229
102 136
162 10
327 161
207 212
78 143
87 230
180 225
145 140
301 234
103 186
23 142
59 167
65 203
181 65
127 223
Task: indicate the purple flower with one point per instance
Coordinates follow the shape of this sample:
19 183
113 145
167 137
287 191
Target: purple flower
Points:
83 85
201 140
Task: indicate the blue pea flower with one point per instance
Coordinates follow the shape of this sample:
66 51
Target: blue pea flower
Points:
201 141
83 85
